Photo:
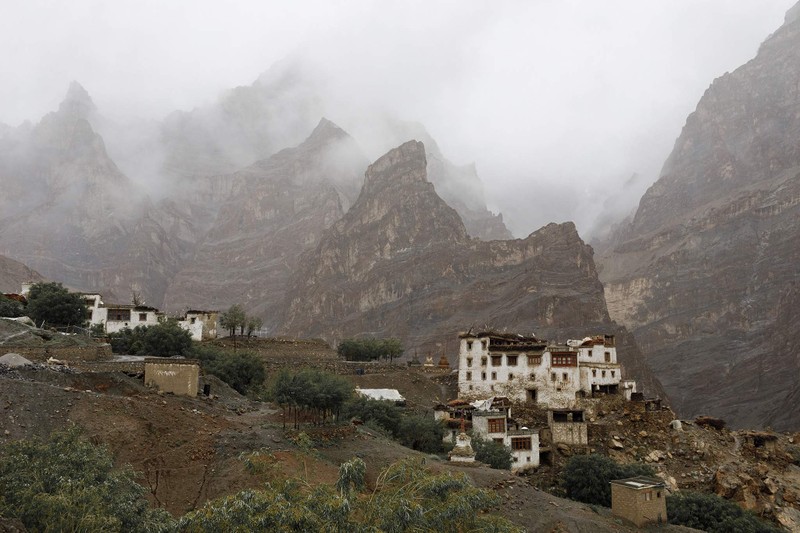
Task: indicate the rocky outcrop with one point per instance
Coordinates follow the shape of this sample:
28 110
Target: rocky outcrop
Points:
13 274
705 273
400 263
275 210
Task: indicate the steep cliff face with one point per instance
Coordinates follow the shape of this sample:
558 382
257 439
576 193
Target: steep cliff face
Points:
13 274
704 274
400 263
276 209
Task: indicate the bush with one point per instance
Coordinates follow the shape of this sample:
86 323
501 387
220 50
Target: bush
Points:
243 371
383 414
10 308
53 305
166 339
491 453
586 478
421 433
67 484
709 512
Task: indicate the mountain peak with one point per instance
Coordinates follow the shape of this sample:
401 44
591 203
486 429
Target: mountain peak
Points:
77 101
326 130
406 163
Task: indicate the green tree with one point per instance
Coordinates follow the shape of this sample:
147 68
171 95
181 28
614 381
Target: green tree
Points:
242 371
10 308
586 478
310 392
711 513
421 433
381 413
67 484
166 339
254 323
53 305
491 453
370 349
234 318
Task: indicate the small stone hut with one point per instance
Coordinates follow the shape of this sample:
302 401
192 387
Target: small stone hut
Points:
169 374
640 500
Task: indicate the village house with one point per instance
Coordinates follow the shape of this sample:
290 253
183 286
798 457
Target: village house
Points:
172 375
491 419
528 369
639 500
201 325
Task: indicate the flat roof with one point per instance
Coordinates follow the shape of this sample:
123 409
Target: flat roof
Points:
640 483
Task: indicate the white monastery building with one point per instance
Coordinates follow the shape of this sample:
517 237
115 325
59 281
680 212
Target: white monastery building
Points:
528 369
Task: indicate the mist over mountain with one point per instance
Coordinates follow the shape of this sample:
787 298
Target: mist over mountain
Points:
705 273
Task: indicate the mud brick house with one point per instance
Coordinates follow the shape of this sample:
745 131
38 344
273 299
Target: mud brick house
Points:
639 500
526 368
170 374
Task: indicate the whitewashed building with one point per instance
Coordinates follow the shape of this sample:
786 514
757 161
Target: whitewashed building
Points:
523 442
525 368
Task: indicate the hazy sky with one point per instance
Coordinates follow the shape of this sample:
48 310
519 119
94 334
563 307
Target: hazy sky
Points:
558 102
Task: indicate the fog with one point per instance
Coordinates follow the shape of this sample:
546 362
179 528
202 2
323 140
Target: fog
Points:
568 108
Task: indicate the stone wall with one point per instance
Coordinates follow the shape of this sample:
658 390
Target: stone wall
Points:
632 505
40 354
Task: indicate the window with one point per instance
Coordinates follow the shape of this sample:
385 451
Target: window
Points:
497 425
483 376
469 361
589 353
119 315
494 375
470 387
658 494
142 317
497 360
565 359
510 376
511 360
483 344
521 443
613 372
534 359
594 373
604 373
564 377
608 357
483 361
194 319
533 377
469 376
648 496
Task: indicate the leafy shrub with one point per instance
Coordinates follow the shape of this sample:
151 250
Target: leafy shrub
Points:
406 498
709 512
242 371
10 308
491 453
67 484
586 478
166 339
421 433
383 414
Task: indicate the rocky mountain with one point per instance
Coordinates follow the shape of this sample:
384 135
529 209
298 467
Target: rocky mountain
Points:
275 210
72 215
705 274
13 274
400 263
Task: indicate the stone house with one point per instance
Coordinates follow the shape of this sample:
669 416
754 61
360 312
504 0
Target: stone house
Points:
639 500
568 426
171 374
201 325
526 368
523 442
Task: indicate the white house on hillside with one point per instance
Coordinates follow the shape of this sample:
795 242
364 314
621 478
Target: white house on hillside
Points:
525 368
